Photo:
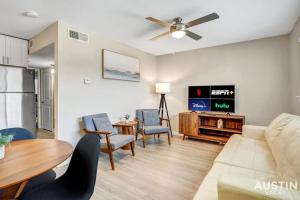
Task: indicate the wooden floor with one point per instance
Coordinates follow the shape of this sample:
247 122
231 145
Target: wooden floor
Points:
157 172
44 134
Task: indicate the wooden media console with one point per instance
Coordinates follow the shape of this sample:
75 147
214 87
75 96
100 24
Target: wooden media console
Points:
205 125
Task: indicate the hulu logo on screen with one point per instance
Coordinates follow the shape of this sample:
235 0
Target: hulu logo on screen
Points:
222 105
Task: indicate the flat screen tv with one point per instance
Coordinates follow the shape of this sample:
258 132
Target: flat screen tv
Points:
217 98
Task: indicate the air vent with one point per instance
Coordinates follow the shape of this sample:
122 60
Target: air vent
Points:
75 35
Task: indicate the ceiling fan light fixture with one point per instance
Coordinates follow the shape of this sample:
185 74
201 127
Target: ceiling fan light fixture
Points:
178 34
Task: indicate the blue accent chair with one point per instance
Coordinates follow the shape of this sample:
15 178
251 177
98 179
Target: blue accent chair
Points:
110 139
18 133
47 177
149 123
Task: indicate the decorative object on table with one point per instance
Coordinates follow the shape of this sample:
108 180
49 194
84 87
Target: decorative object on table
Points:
110 139
220 123
126 117
126 128
149 123
4 140
120 67
163 89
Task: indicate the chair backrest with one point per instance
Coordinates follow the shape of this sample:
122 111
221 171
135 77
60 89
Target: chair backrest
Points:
140 116
82 170
89 123
18 133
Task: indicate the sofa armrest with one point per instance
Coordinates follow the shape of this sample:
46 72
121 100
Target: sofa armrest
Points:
245 188
254 132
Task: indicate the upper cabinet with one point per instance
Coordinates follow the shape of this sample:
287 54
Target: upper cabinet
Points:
13 51
2 49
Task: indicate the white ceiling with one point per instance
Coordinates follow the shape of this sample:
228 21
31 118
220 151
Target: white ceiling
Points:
124 20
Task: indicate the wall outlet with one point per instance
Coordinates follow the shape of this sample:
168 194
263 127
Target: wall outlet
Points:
87 81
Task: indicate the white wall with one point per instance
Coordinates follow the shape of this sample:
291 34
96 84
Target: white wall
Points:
78 61
295 69
41 40
258 68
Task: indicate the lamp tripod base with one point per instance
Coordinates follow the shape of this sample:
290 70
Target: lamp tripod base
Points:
162 106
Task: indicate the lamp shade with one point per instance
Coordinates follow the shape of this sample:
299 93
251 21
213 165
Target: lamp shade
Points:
163 88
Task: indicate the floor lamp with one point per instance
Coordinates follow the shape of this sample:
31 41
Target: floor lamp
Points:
163 89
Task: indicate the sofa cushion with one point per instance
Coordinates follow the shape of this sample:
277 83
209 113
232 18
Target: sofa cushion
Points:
247 153
208 190
287 152
276 126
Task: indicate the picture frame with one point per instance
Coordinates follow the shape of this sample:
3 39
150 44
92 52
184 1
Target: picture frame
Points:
120 67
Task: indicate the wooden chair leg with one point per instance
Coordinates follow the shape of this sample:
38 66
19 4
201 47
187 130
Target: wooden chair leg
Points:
132 148
110 153
183 138
169 140
144 140
158 136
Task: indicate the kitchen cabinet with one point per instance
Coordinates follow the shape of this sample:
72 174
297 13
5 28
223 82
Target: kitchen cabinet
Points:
13 51
2 49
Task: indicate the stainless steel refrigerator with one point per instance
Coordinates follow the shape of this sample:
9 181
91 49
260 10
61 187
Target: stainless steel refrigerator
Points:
17 98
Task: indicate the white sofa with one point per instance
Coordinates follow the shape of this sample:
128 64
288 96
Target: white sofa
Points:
250 162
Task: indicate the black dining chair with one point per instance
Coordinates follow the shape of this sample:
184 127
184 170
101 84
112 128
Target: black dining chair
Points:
79 180
45 178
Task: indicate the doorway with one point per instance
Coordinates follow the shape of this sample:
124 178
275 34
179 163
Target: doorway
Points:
42 61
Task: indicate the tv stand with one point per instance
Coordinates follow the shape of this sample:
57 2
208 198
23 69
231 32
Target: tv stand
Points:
204 126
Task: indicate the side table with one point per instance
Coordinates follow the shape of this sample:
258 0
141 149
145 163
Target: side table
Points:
127 128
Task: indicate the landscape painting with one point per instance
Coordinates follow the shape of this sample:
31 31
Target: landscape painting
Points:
120 67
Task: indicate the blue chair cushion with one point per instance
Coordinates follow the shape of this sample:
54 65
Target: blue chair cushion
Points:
151 118
117 141
139 116
104 124
156 129
88 122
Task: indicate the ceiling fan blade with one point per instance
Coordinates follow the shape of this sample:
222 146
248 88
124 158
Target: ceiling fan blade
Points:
161 35
192 35
202 20
160 22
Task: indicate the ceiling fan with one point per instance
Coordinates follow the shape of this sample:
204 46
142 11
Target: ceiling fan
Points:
178 29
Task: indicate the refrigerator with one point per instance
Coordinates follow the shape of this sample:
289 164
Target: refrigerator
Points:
17 98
